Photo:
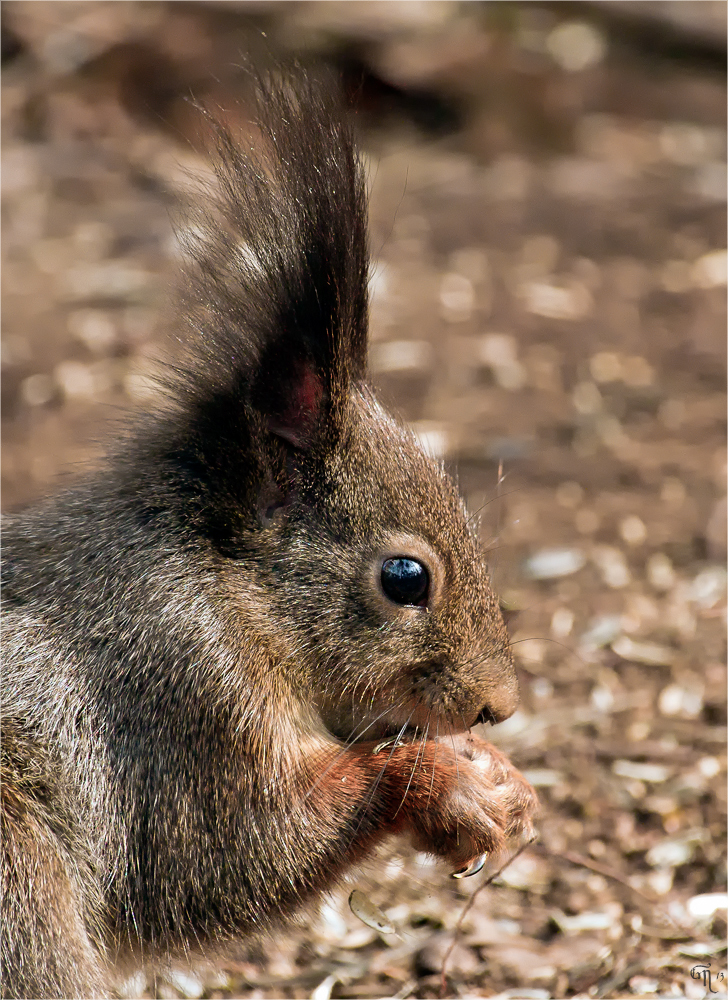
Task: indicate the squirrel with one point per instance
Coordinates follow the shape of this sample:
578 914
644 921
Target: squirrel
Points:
252 644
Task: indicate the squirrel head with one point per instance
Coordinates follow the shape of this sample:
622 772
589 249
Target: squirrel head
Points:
286 464
385 576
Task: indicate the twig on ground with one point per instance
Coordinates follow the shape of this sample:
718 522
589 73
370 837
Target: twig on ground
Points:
466 909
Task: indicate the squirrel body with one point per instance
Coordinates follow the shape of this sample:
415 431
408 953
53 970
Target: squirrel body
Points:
217 693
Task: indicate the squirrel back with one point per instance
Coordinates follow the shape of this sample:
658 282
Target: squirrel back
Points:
209 640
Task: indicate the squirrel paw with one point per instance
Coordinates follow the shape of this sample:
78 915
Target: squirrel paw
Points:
485 803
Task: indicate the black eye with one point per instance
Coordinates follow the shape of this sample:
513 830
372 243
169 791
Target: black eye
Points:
405 581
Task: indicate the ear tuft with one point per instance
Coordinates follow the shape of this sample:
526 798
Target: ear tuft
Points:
278 276
275 295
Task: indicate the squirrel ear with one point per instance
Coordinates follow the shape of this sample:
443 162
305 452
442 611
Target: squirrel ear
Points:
280 273
305 372
291 394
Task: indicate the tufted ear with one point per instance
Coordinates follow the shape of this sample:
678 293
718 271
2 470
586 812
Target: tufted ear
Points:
300 216
277 296
297 392
301 404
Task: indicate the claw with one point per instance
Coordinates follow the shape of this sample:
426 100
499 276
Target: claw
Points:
472 868
393 743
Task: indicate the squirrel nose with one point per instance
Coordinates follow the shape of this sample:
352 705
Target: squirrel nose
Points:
485 716
501 704
492 714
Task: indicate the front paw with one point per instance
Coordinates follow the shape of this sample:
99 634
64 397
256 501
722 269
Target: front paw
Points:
484 803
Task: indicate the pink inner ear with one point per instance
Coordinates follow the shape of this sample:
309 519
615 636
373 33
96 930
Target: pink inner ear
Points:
296 422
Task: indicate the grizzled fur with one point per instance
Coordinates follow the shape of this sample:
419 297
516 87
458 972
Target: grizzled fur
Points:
201 665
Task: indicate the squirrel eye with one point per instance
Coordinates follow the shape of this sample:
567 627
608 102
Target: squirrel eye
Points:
405 581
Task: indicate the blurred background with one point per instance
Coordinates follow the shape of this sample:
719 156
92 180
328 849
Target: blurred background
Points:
548 188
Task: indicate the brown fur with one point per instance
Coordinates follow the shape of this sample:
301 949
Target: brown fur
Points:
201 662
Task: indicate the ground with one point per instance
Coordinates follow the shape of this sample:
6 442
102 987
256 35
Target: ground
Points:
548 311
